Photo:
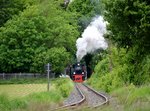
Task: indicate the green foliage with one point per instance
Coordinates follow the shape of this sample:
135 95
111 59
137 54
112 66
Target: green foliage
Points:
9 8
107 82
136 73
123 71
85 10
105 79
142 74
102 67
129 31
19 42
83 7
58 57
65 88
37 31
129 24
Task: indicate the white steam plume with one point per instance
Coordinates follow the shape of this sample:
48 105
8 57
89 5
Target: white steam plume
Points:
92 38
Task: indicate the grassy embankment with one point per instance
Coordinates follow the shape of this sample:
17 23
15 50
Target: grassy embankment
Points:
133 98
123 81
33 97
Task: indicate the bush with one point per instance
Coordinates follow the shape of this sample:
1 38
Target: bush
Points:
64 86
104 79
125 70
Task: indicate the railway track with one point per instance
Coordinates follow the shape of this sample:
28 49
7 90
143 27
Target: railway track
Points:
85 96
94 98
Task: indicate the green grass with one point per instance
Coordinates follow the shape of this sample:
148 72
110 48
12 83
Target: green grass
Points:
50 96
7 104
134 98
20 90
130 94
33 97
23 81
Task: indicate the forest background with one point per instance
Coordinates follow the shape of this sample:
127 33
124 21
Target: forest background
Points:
33 33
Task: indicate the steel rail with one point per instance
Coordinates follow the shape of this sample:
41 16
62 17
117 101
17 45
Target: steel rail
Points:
74 103
106 101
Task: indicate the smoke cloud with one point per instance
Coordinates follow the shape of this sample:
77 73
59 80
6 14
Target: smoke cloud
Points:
92 38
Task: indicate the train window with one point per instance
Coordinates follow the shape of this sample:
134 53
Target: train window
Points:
78 70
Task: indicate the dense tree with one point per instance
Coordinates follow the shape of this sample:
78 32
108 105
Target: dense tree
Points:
129 21
85 11
8 8
30 35
57 57
129 25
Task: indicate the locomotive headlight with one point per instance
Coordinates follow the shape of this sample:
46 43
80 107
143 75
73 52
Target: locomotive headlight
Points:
74 73
82 72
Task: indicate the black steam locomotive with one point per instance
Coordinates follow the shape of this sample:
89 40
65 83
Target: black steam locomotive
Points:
78 72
